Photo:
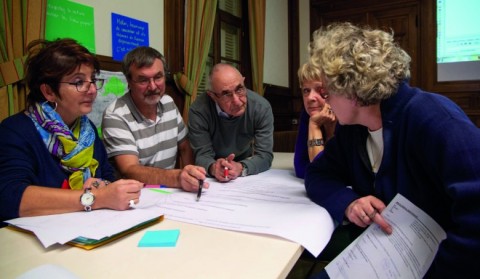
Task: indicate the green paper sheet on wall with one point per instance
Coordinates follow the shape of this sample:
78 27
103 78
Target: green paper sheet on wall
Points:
66 19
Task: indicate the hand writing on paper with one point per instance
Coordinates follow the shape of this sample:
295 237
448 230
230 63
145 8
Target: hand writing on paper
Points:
117 195
190 177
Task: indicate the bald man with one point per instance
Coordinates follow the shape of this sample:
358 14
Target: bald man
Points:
231 127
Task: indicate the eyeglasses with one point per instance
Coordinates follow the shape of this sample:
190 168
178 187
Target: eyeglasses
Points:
84 85
324 94
319 89
240 91
144 81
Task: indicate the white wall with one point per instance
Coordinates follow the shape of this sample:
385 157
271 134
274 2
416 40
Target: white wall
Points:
276 65
305 34
276 43
150 11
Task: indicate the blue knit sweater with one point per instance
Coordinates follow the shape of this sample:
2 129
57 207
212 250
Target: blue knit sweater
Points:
300 158
431 156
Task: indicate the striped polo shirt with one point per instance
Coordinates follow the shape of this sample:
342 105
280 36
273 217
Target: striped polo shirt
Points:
127 131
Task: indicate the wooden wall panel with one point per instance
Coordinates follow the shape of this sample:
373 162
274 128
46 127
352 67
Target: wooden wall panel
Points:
414 23
282 101
3 103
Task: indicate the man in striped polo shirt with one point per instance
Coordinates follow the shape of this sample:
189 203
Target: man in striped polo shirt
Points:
144 131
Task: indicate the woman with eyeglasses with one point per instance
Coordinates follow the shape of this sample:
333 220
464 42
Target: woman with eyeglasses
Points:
317 121
51 158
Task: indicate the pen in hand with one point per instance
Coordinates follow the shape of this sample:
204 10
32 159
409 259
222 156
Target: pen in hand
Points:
200 186
225 172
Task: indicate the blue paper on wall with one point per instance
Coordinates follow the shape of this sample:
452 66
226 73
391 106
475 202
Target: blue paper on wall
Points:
127 33
161 238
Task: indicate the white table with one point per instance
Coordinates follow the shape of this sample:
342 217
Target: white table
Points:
201 252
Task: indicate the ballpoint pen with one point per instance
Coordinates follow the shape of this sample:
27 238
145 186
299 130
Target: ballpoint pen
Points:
200 186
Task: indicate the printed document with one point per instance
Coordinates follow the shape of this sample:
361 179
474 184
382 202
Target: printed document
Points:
407 253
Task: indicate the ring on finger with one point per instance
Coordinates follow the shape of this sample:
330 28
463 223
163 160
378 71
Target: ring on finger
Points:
95 184
372 215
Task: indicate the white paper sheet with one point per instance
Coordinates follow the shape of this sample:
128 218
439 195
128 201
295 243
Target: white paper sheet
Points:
407 253
273 202
96 224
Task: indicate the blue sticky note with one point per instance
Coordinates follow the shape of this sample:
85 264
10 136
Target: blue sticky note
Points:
162 238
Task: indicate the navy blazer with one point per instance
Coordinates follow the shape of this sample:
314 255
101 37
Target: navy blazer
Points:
25 160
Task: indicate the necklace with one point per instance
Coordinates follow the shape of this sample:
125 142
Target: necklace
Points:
375 149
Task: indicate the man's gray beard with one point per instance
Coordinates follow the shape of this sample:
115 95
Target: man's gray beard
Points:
149 96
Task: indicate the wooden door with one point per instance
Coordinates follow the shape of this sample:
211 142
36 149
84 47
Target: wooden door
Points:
401 17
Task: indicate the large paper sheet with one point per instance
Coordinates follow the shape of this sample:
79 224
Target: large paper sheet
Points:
273 202
407 253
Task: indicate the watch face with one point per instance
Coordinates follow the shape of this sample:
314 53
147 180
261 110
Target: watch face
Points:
87 199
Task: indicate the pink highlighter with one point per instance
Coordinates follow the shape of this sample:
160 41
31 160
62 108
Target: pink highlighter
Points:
154 186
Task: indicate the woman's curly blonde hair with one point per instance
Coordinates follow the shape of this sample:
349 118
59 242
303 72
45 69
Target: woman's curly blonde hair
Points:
308 72
360 64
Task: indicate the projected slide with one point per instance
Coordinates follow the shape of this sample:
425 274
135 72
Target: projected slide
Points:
458 40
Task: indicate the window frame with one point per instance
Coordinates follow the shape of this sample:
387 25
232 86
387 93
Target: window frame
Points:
222 16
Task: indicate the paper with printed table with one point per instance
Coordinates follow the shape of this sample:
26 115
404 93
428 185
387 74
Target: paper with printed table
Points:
407 253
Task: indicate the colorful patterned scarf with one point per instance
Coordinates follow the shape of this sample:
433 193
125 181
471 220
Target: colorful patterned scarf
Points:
73 147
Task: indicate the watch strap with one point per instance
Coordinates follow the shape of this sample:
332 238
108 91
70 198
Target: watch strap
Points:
244 170
315 142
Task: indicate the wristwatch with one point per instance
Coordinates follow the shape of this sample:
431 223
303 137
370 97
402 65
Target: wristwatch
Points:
244 170
87 199
316 142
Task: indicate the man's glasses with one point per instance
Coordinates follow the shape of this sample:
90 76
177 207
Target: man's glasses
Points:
240 91
144 81
84 85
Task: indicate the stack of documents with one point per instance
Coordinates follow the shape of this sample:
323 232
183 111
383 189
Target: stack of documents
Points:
87 229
